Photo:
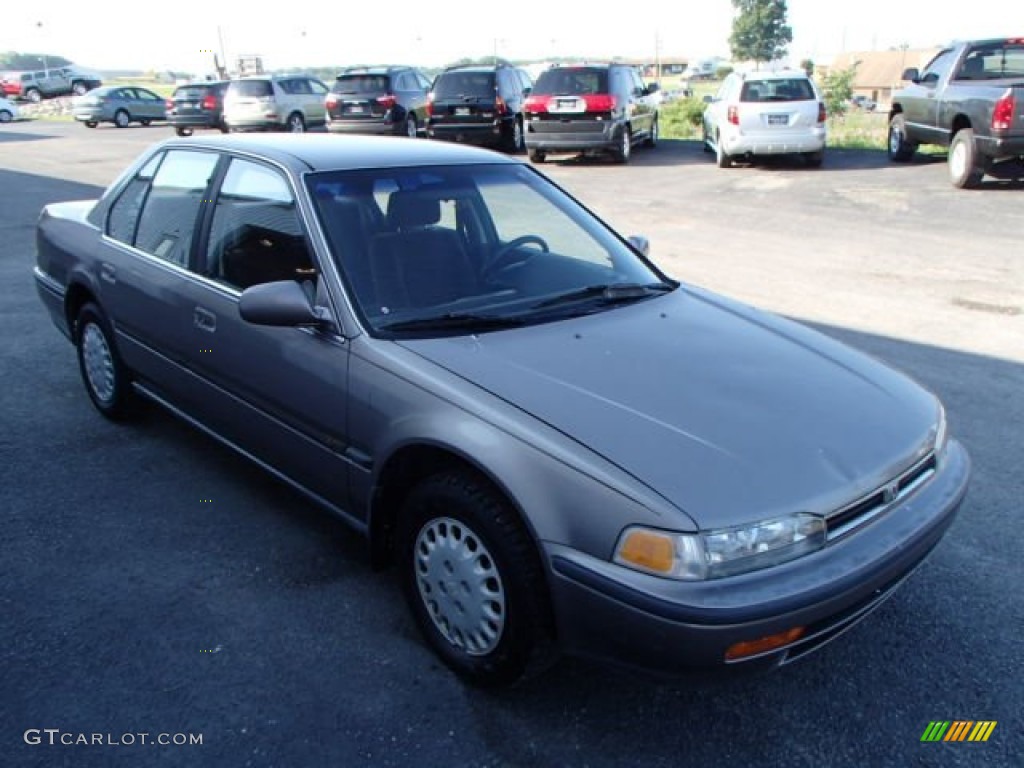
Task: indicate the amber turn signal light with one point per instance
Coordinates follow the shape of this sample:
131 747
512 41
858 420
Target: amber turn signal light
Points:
748 648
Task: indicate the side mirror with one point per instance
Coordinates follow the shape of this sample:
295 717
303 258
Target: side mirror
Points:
708 99
653 88
640 243
911 74
282 303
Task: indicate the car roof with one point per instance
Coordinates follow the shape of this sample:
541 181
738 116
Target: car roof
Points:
779 74
476 68
381 70
325 152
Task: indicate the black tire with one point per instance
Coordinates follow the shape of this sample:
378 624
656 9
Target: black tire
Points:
296 123
5 116
814 159
412 129
901 149
79 89
33 95
224 128
183 131
707 140
106 380
508 631
514 140
122 119
723 158
965 166
90 123
623 151
145 122
536 156
652 138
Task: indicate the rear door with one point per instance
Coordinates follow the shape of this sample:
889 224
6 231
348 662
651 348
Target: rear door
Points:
148 105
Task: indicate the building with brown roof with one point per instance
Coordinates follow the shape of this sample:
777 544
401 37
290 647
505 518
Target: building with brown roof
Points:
879 72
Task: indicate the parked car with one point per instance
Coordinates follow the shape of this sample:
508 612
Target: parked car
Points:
197 105
860 101
58 81
10 84
515 406
969 98
479 105
275 103
8 111
766 113
379 100
120 105
594 108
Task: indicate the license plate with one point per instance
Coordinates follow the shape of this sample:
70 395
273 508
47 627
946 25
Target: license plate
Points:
356 109
567 105
778 119
462 110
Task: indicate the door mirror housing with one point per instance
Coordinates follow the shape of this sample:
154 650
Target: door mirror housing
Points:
282 303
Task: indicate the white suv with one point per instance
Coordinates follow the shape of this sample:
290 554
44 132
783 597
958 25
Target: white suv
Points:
766 113
275 103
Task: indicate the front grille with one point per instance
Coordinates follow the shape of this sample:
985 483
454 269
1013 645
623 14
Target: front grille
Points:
856 514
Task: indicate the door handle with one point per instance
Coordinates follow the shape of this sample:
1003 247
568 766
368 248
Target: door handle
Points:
204 319
108 273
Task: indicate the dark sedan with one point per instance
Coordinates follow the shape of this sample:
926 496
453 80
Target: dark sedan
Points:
120 105
558 446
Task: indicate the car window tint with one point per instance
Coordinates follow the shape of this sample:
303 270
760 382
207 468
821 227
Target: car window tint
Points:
124 213
172 207
256 236
317 87
792 89
993 62
573 81
460 84
360 84
251 89
938 67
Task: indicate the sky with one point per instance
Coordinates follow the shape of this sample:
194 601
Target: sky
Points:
116 34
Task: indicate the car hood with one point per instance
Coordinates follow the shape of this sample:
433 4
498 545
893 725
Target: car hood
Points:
730 414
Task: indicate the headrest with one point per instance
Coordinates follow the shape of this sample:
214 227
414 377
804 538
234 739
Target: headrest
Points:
411 209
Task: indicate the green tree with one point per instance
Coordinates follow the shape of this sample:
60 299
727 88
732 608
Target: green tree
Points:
838 88
807 65
759 31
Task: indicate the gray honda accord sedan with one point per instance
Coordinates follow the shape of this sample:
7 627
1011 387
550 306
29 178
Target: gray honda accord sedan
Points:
557 446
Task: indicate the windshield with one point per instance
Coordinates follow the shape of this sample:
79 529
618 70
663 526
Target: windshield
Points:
485 244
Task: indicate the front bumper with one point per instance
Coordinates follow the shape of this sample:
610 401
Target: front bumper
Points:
619 615
91 115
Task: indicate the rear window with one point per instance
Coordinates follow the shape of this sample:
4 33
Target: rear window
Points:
252 89
572 81
796 89
190 92
458 84
361 84
993 62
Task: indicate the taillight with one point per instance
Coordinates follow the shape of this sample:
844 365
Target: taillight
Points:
387 101
500 106
209 102
169 103
821 112
332 100
733 115
430 104
535 104
600 102
1002 115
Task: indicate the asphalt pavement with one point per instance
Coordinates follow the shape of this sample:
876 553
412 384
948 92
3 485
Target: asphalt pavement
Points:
151 582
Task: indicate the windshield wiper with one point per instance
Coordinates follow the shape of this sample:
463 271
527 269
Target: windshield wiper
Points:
612 293
454 321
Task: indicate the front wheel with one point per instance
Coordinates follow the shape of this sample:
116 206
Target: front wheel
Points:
105 377
411 129
965 168
79 89
652 138
122 119
90 123
183 131
5 116
473 579
33 95
723 158
296 124
901 148
536 156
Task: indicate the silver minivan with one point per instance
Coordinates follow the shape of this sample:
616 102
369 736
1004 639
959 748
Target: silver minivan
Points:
766 113
275 103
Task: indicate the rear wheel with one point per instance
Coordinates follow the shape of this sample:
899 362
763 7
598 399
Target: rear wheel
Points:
901 148
79 89
122 119
33 95
965 167
5 116
473 579
411 128
536 156
90 123
625 148
723 158
105 377
295 124
183 131
514 141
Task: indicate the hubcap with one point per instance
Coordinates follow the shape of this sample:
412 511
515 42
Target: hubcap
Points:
410 128
517 135
99 364
958 160
297 125
894 141
625 144
122 118
460 586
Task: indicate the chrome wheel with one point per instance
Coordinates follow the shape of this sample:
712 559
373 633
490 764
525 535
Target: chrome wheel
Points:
895 141
296 124
460 585
958 160
98 363
517 136
410 127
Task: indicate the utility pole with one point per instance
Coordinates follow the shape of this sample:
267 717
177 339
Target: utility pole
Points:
657 58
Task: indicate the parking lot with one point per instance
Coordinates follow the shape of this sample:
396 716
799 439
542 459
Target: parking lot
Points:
154 582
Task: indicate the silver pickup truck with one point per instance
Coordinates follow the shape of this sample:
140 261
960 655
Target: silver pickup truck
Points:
969 98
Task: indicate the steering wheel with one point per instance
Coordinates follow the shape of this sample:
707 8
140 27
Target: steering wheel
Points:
507 256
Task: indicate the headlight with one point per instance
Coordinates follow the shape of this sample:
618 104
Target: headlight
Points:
723 552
